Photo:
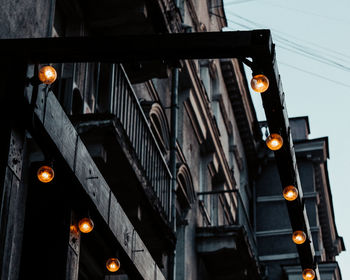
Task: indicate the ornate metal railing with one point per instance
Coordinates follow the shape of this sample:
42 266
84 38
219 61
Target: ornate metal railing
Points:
126 107
105 89
218 211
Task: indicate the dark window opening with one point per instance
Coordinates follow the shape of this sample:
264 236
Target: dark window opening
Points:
77 104
157 131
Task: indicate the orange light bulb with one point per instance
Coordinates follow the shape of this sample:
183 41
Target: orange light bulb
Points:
86 225
259 83
299 237
274 142
45 174
47 75
113 264
308 274
290 193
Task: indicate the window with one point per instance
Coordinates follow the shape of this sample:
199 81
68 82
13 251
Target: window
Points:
160 128
185 190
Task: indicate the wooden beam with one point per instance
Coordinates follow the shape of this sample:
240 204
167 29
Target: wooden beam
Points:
53 123
134 48
277 118
72 265
167 47
13 189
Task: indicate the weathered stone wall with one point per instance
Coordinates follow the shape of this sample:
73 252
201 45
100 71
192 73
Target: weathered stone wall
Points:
24 18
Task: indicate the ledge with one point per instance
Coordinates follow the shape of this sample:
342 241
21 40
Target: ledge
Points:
226 252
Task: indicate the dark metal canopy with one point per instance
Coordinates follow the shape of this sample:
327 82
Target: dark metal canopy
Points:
135 48
170 48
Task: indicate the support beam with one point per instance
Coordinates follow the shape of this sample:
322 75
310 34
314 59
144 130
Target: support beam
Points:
277 118
73 253
135 48
13 170
52 124
170 48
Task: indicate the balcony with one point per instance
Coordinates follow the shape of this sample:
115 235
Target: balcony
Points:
110 121
226 241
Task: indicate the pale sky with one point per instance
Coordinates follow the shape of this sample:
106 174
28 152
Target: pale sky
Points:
313 57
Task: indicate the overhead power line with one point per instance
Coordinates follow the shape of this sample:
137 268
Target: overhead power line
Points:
315 74
306 12
331 58
297 68
237 2
332 52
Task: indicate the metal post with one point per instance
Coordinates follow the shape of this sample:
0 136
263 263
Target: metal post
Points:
174 116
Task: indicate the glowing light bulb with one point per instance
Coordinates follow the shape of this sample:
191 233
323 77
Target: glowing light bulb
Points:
47 75
113 264
299 237
45 174
308 274
259 83
86 225
274 141
290 193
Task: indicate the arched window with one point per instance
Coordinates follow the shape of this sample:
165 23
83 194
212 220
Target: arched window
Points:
160 128
185 191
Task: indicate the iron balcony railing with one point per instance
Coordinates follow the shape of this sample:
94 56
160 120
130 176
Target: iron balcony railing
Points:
217 210
105 89
127 109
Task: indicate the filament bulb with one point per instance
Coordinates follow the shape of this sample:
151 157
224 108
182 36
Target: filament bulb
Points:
274 142
113 264
259 83
308 274
290 193
86 225
47 75
299 237
45 174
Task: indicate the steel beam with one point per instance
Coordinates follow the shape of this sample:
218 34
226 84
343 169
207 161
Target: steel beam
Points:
170 48
135 48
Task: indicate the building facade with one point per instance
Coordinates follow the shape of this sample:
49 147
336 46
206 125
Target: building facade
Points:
167 158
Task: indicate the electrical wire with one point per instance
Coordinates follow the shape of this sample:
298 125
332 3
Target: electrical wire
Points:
237 2
314 57
314 74
303 70
330 59
331 51
301 51
306 12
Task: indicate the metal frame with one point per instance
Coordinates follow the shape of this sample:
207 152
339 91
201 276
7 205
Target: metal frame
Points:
170 48
136 48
